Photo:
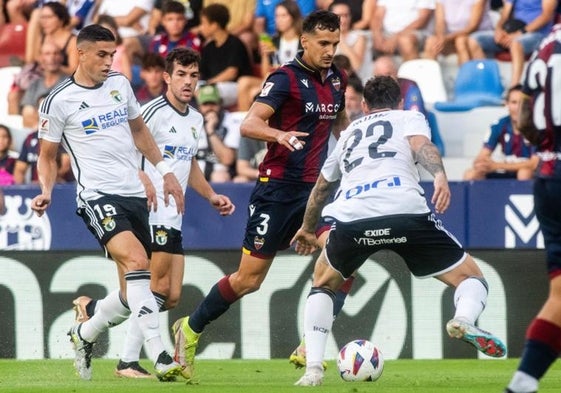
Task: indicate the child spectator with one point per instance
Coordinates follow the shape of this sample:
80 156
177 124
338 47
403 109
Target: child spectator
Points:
224 57
174 35
152 75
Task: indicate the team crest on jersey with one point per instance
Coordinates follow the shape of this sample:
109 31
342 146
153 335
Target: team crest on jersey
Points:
44 125
116 96
258 242
194 132
90 126
161 238
336 82
266 89
108 224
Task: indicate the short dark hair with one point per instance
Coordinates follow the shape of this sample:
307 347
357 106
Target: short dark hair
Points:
321 20
355 82
512 89
382 92
173 7
217 13
153 60
60 11
94 33
183 56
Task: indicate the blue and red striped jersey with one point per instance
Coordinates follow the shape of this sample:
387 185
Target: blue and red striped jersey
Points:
512 144
301 101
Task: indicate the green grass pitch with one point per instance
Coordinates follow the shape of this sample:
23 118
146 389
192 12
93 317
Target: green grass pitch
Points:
272 376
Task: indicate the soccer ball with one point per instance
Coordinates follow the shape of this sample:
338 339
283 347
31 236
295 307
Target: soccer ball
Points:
360 360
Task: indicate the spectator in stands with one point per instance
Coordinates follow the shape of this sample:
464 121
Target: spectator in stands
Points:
224 57
353 98
361 13
353 42
54 25
50 61
264 21
219 144
522 25
81 13
250 155
122 62
25 168
7 157
18 11
192 11
343 63
174 34
152 75
241 21
132 17
274 51
454 21
401 27
518 157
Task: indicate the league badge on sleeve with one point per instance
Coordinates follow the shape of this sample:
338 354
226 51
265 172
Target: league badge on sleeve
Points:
266 89
43 125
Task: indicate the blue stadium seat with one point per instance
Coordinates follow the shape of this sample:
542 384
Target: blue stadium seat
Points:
478 84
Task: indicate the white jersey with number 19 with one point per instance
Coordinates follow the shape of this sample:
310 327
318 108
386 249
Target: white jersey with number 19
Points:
374 161
92 125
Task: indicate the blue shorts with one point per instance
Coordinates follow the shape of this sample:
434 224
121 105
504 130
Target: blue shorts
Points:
112 214
546 205
486 40
426 246
276 210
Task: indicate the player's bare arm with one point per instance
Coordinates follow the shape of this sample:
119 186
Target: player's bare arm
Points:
305 238
47 169
526 124
198 183
427 155
150 191
255 125
145 143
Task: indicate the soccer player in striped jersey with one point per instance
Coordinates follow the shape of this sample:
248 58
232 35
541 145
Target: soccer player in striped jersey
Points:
97 119
301 104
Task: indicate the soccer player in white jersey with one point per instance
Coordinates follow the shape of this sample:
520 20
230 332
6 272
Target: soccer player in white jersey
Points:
380 205
96 117
176 128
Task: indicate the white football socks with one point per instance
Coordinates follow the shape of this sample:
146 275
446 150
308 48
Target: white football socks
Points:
470 299
318 320
109 311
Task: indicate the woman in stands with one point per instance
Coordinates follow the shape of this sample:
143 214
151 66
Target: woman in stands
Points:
274 51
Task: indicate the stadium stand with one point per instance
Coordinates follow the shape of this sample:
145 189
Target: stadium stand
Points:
12 44
428 75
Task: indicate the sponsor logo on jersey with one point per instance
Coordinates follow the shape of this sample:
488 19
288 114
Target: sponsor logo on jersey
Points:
43 125
326 111
377 232
336 82
108 224
368 241
182 153
83 105
258 242
90 126
161 237
387 182
172 130
116 96
266 89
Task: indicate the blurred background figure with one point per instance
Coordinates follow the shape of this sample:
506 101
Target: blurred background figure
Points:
122 61
152 76
250 155
8 158
517 158
353 98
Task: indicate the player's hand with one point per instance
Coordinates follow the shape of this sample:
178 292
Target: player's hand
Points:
223 204
173 188
151 197
441 196
290 140
40 203
304 242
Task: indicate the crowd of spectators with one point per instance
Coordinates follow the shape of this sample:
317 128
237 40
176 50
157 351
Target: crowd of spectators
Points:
242 41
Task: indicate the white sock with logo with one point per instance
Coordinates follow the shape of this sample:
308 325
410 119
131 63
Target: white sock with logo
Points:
318 320
133 342
109 311
470 299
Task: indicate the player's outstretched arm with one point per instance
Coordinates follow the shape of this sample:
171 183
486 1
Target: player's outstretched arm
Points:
144 141
198 183
47 169
305 239
427 155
